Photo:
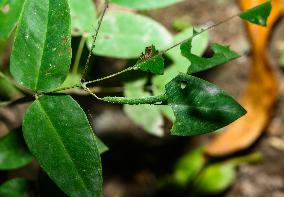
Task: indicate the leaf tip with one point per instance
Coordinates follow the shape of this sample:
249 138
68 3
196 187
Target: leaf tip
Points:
258 15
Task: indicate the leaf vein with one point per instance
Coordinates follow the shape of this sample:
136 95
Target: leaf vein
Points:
63 146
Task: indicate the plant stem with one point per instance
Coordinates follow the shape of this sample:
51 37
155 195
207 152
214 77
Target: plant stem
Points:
84 86
93 81
79 53
200 32
97 89
136 101
251 158
110 76
63 89
94 40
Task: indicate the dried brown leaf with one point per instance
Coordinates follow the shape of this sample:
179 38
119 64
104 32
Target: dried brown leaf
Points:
260 95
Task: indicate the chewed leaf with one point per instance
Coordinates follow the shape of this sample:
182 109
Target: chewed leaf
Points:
151 61
199 106
259 14
222 54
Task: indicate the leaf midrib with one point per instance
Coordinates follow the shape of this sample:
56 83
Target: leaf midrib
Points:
205 108
61 142
44 45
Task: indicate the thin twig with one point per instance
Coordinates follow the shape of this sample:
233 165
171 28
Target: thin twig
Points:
200 32
93 81
63 89
113 75
94 40
89 91
97 89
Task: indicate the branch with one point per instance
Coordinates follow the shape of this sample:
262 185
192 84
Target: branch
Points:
94 40
136 101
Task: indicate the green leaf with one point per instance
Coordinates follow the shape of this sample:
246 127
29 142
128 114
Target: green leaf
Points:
126 35
58 134
13 153
42 49
221 55
83 16
146 116
188 166
258 15
218 177
215 178
9 15
199 106
17 187
145 4
2 2
179 24
151 61
71 80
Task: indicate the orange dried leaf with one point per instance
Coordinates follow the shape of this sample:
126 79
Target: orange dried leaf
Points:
260 95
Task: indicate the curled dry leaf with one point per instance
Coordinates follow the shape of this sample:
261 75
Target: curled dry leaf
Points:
261 92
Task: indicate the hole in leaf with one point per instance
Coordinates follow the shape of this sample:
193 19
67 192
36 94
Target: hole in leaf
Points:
209 53
261 21
183 84
76 30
